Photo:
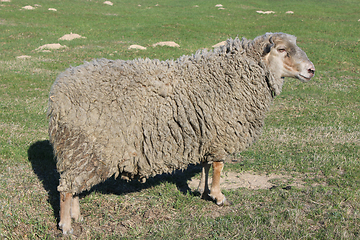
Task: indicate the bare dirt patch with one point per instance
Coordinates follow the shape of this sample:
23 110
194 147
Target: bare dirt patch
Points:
71 36
137 47
166 43
266 12
28 7
108 3
23 57
233 180
51 46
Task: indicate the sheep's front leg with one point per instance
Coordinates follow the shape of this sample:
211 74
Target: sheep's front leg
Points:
204 181
215 192
65 212
75 209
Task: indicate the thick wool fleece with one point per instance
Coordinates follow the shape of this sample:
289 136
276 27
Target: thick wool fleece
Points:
145 117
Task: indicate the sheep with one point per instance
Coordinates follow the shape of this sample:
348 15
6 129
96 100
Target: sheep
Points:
139 118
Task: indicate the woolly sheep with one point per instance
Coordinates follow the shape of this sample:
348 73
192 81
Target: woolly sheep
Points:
143 117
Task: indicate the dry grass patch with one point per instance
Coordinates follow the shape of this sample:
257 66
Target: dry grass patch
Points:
27 65
310 135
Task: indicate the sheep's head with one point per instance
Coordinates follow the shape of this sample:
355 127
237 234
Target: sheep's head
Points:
285 59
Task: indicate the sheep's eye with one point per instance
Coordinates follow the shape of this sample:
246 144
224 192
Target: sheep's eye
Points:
282 50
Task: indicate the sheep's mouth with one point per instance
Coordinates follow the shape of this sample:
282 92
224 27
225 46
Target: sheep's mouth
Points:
303 78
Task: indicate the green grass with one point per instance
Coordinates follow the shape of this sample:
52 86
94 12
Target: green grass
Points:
312 132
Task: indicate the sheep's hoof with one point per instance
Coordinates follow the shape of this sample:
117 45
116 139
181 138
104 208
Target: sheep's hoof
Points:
224 202
65 229
204 194
70 232
79 219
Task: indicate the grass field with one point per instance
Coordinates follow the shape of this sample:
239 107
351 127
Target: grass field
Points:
312 132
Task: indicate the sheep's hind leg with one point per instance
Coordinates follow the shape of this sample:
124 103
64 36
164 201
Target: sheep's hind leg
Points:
75 209
204 181
215 192
65 215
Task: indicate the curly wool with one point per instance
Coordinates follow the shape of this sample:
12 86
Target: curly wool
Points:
145 117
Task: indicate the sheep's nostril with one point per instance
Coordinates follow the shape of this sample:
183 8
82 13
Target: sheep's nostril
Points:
311 69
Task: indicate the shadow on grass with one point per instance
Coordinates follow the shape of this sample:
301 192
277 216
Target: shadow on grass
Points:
41 156
178 177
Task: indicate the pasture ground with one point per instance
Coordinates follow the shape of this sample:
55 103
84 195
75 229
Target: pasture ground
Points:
311 141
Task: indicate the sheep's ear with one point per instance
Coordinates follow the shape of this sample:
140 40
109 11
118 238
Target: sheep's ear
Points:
268 46
271 40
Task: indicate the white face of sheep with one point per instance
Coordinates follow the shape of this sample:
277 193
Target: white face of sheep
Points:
286 59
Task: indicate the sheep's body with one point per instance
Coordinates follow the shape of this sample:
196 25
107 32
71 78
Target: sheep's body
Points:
140 118
146 117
